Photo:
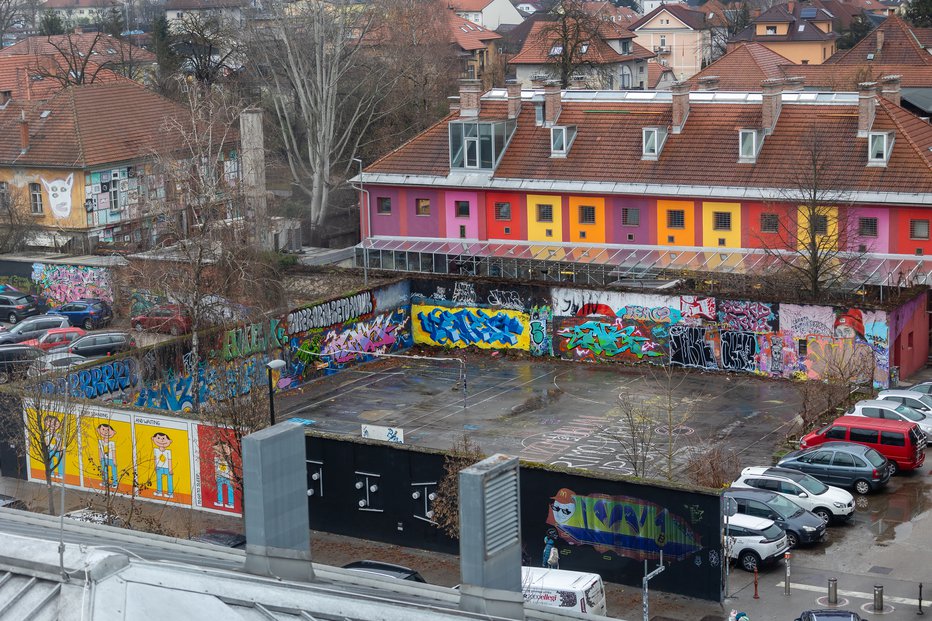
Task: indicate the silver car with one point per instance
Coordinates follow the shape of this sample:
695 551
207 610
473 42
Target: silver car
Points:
890 409
54 362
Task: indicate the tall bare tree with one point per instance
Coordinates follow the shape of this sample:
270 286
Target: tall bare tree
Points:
725 24
206 46
73 63
12 12
15 222
567 33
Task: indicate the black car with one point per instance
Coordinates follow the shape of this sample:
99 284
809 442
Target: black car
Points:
32 328
17 306
9 502
828 615
223 538
386 570
801 526
842 464
15 360
99 344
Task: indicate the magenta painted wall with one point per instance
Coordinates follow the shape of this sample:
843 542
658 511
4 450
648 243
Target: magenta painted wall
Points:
644 233
453 223
385 224
881 243
424 226
909 318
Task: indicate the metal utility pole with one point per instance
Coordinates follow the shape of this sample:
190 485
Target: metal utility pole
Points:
646 579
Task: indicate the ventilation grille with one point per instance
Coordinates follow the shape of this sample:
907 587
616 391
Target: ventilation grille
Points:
501 512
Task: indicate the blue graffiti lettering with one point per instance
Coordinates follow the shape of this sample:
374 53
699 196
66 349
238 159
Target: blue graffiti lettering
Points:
470 327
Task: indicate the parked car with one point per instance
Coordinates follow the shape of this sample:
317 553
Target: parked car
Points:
923 387
828 615
220 537
15 360
802 527
890 408
89 516
32 328
843 464
10 502
902 443
88 313
824 500
754 541
54 362
17 306
56 337
170 318
385 569
98 344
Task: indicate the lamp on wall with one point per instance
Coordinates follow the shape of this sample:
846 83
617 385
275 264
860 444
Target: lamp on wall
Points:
273 365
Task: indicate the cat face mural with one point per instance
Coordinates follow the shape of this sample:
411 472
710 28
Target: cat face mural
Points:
59 191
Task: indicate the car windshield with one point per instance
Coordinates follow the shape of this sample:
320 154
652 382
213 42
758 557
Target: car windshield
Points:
785 508
909 413
773 532
875 458
813 486
21 300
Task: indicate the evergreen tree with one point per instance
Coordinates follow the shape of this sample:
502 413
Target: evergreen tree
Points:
858 29
161 43
919 13
51 24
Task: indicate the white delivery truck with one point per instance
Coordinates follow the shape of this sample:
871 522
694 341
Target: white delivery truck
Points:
573 590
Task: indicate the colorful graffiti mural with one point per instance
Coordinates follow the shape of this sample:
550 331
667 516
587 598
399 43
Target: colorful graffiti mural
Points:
462 327
64 283
593 338
630 527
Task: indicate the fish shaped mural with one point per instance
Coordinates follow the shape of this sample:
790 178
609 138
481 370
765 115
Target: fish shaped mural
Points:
629 526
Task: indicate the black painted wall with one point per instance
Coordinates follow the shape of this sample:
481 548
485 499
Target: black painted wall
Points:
615 524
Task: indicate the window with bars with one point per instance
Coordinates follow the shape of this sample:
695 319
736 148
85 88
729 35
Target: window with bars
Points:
820 225
769 223
867 227
721 221
383 205
422 206
676 219
462 209
919 229
545 213
630 216
503 211
586 214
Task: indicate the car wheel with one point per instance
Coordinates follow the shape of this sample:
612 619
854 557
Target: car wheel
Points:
749 560
823 513
138 327
792 538
862 486
12 318
88 324
893 468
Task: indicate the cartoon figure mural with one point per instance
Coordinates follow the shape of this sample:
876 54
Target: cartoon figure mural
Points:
223 473
106 450
162 458
59 191
630 527
54 443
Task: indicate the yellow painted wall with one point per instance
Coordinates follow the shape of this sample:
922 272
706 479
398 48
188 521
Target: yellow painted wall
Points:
460 327
64 211
536 231
798 51
828 241
681 237
710 236
761 28
595 233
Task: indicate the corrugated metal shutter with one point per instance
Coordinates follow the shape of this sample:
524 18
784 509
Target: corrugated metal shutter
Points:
501 511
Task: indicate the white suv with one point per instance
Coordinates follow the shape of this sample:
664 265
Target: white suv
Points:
754 541
824 500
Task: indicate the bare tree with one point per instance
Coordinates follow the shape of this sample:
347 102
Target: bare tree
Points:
669 384
566 35
206 46
713 465
12 12
73 62
637 435
16 224
725 24
446 506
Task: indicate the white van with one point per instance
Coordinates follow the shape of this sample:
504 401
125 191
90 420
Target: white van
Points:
575 590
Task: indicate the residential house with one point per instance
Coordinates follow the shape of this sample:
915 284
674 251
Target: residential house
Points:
229 11
678 35
743 68
81 12
530 6
894 42
81 165
609 60
659 77
35 78
489 14
83 49
802 33
477 46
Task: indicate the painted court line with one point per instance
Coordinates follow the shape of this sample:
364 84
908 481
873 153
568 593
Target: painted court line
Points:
853 594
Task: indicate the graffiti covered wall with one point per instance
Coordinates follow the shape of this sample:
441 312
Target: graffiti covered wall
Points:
64 283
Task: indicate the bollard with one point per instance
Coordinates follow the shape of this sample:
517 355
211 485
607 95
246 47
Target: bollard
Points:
756 596
833 591
878 598
920 612
786 579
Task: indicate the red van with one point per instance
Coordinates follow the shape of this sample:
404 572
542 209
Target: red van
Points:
901 442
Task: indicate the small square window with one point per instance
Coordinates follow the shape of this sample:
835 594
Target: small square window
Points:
422 206
462 209
721 241
771 30
582 235
548 233
867 227
676 219
545 213
769 223
721 221
507 230
670 239
802 347
383 205
630 236
586 214
630 216
919 229
503 211
462 231
820 225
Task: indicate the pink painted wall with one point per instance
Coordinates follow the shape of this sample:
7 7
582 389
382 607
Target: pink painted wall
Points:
453 223
909 318
424 226
385 224
644 233
881 243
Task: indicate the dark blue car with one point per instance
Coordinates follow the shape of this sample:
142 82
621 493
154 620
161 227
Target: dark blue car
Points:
87 313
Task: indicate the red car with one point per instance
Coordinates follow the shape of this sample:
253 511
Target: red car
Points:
170 318
56 337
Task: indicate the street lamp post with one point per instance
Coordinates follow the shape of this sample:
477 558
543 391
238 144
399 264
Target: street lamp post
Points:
273 365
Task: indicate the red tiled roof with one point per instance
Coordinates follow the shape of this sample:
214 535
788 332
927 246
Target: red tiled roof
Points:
900 47
847 77
744 68
204 5
655 72
924 35
608 146
467 35
473 6
689 17
79 4
83 126
103 47
30 78
539 42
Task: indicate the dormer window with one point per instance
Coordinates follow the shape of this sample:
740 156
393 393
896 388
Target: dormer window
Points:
771 30
652 142
749 144
584 47
626 47
556 50
561 139
479 144
879 147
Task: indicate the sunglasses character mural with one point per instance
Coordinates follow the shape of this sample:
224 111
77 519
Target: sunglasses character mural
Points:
630 527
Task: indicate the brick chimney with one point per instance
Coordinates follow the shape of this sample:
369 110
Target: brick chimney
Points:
879 35
680 92
709 83
514 98
553 103
23 132
772 101
578 84
793 84
867 105
470 93
890 88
